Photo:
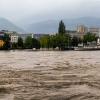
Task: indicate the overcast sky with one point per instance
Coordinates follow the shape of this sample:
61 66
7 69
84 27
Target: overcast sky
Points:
16 10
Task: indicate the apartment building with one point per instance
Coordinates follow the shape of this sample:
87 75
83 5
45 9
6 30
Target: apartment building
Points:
82 29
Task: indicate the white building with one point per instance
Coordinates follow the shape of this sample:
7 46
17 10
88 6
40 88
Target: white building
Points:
13 35
14 38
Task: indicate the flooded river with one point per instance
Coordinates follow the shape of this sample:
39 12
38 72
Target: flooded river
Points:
48 75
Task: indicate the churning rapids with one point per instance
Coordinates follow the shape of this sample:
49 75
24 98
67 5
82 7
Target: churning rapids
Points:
48 75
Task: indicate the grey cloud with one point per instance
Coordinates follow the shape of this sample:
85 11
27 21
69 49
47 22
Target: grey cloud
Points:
48 9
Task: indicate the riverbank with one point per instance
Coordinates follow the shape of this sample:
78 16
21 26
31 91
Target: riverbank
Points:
57 49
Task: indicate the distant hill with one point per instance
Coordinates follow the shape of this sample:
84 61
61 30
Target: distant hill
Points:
43 27
52 25
87 21
8 25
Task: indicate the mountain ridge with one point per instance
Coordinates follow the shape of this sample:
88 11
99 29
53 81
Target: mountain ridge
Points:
5 24
50 26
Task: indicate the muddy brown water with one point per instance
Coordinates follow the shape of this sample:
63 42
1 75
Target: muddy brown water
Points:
48 75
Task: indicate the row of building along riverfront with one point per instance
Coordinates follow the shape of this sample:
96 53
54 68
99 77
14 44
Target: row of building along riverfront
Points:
80 31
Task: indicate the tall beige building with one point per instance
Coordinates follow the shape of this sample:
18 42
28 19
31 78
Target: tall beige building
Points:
82 29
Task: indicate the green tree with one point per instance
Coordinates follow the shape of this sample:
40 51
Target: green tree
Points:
58 40
14 46
28 42
20 43
31 43
75 41
63 41
52 41
89 37
45 41
62 28
35 43
6 39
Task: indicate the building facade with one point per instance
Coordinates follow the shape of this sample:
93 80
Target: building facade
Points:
13 35
14 38
82 29
94 30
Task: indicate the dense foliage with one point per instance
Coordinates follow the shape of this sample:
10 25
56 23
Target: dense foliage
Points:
31 43
6 39
89 37
20 43
58 40
75 41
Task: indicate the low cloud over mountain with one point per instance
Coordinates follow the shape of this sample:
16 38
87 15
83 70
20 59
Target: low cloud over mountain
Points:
8 25
48 26
52 25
